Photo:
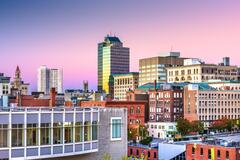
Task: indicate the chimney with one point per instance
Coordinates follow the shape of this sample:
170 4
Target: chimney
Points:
52 101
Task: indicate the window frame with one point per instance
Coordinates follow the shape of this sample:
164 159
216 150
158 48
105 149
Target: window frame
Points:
111 129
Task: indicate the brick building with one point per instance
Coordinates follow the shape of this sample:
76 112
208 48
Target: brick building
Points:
137 111
144 152
166 103
224 148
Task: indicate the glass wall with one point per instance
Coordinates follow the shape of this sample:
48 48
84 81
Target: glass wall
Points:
57 133
32 134
17 135
78 132
68 129
3 135
45 133
94 130
87 131
116 128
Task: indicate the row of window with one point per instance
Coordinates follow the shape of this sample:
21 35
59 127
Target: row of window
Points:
218 96
83 132
211 153
215 117
219 110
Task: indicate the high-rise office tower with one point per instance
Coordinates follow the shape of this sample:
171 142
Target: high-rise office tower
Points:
49 78
113 58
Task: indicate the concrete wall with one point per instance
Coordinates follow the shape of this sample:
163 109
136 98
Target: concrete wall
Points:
116 149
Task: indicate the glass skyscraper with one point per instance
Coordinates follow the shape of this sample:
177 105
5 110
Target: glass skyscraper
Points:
113 58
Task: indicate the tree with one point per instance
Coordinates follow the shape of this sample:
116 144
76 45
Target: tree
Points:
183 126
143 131
132 133
197 126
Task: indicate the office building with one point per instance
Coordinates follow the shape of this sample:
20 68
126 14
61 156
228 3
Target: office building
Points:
151 69
162 130
113 58
201 72
4 85
18 86
50 78
124 83
207 104
63 133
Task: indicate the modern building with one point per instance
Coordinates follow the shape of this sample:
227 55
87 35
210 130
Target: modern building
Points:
18 86
4 85
50 78
137 110
63 133
200 72
207 104
166 103
124 83
220 148
151 69
113 58
162 130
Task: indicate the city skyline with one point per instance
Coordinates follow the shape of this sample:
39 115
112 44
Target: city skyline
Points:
65 35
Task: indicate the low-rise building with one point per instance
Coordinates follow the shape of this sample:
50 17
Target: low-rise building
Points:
137 111
142 151
161 130
221 148
123 83
4 85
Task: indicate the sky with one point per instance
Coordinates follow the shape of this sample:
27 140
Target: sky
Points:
64 33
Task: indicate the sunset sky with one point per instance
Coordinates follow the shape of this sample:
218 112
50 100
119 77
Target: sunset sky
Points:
64 33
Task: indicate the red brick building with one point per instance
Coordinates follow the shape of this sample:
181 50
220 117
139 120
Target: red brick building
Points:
213 152
143 152
165 105
31 101
137 111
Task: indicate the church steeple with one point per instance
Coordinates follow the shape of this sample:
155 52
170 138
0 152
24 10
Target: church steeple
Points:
17 73
17 79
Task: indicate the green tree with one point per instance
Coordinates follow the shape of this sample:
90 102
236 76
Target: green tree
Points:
183 126
132 133
197 126
143 131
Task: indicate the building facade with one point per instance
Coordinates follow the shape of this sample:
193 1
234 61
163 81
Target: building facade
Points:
113 58
196 73
151 69
59 132
204 103
166 103
161 130
137 111
18 85
50 78
4 85
124 83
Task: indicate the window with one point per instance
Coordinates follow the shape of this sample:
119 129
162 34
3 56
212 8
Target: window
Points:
149 154
17 135
131 151
131 110
87 131
45 131
3 135
138 110
201 151
32 134
155 155
116 128
57 133
209 153
137 152
193 150
78 132
218 154
68 132
227 154
94 130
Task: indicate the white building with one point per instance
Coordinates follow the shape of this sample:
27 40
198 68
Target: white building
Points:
4 85
50 78
161 129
